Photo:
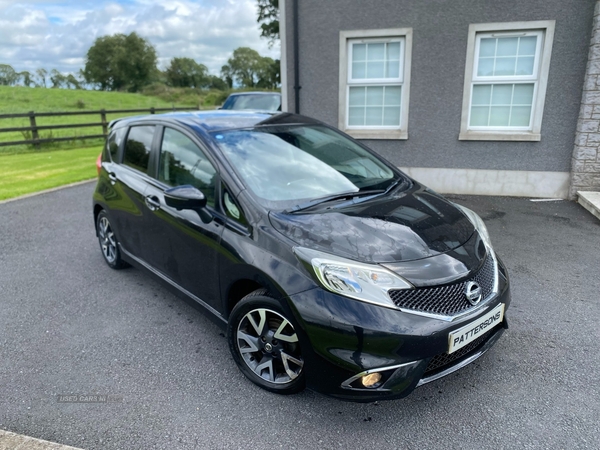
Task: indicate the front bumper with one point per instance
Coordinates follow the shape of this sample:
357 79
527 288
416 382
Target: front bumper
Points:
345 339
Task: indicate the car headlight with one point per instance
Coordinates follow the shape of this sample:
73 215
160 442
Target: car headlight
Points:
477 223
365 282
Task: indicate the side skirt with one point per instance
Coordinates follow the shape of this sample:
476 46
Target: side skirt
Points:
211 312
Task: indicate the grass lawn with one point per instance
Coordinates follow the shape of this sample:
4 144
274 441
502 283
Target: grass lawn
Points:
26 173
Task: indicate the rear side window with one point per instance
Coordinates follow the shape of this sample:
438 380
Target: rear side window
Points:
137 147
114 141
182 162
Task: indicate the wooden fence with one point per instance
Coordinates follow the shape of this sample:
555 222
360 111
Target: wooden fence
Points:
34 128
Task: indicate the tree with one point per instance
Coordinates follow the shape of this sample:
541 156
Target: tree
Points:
8 76
120 62
72 82
41 77
269 74
214 82
247 68
185 72
57 79
268 14
26 78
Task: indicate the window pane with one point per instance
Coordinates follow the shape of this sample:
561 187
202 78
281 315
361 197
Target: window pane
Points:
374 116
527 45
393 96
357 96
182 162
376 60
375 96
356 116
498 56
359 70
392 69
359 52
479 116
482 94
485 67
487 47
375 70
507 46
376 52
393 51
525 65
523 94
391 116
137 147
505 66
502 94
499 116
520 116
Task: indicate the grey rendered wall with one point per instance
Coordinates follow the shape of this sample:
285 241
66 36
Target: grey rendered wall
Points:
440 30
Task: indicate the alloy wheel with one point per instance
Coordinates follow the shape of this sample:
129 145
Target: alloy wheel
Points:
269 346
108 243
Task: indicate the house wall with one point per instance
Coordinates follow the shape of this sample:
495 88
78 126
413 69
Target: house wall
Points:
586 153
440 30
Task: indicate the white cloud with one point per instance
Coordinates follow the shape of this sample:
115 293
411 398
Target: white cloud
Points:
57 35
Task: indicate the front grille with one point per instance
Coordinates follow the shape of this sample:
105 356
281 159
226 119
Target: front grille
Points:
444 359
446 300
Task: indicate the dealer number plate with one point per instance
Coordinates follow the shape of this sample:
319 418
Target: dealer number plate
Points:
467 334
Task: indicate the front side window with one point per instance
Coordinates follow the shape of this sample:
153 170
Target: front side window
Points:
374 83
182 162
506 82
138 146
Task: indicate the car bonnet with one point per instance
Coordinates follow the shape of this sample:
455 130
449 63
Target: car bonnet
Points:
409 226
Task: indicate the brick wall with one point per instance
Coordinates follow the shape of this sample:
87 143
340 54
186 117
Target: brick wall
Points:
586 154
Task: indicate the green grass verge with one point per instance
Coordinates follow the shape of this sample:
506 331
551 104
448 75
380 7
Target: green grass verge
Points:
28 173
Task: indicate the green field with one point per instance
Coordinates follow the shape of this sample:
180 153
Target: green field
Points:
26 173
16 99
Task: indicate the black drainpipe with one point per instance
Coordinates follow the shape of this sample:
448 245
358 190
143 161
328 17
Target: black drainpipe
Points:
297 86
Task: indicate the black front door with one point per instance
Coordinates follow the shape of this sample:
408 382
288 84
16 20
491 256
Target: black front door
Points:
180 245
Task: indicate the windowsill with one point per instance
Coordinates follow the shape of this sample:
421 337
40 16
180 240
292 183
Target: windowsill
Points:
498 136
377 134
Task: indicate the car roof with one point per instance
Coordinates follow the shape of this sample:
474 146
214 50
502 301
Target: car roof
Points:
235 94
218 120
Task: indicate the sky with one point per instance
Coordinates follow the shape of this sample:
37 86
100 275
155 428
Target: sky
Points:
57 34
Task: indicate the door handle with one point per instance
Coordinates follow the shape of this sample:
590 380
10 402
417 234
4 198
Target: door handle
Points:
112 177
152 202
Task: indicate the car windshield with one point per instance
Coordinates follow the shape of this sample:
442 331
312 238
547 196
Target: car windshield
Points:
286 165
265 102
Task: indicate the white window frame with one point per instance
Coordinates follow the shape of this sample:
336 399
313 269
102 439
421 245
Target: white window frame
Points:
403 35
544 29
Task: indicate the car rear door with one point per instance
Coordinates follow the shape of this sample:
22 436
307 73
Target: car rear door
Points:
130 179
181 246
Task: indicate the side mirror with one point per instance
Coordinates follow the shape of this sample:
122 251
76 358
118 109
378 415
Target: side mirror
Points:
188 197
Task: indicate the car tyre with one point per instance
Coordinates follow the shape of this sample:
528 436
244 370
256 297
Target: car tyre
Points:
109 245
264 344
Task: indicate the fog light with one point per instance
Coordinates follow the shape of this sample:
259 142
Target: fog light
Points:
371 379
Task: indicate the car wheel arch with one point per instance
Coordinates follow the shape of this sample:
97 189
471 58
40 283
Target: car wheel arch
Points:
246 284
97 210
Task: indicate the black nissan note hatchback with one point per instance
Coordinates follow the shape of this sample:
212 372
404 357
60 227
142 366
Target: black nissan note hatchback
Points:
327 266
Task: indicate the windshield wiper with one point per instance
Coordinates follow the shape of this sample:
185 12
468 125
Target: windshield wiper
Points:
331 198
